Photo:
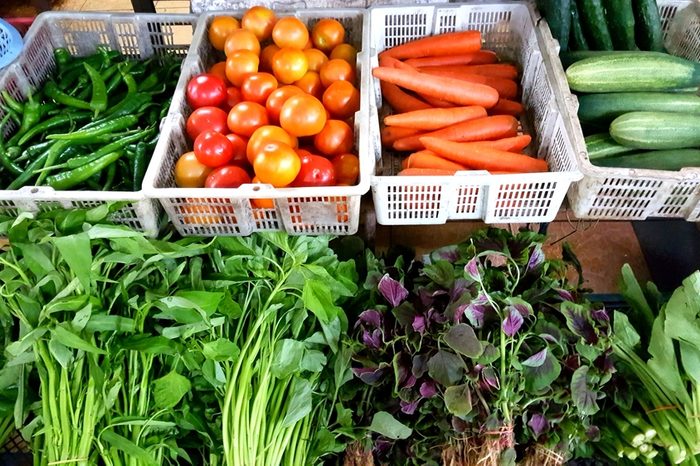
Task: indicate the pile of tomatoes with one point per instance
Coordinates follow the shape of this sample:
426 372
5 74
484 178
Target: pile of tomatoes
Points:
278 110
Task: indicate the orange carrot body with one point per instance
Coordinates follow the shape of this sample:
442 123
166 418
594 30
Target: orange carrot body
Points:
401 101
496 70
390 134
434 118
435 102
479 129
507 88
514 144
450 43
426 172
507 107
478 157
450 89
482 57
428 159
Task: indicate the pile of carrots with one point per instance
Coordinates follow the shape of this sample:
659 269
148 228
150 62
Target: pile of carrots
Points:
455 107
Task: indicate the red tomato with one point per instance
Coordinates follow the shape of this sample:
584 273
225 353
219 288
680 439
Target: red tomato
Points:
233 96
239 150
206 90
229 176
190 172
205 119
347 169
341 99
303 115
276 164
257 87
213 149
219 69
246 117
277 98
315 171
265 134
335 138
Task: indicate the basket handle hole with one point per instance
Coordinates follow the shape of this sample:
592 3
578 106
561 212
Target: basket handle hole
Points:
256 188
34 190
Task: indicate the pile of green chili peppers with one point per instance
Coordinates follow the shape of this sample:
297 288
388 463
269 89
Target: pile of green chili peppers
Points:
93 124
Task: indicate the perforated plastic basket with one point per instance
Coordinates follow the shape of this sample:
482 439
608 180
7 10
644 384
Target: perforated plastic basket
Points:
509 29
136 35
313 210
635 194
10 43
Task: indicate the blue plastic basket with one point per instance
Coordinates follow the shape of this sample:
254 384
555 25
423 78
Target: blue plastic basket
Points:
10 43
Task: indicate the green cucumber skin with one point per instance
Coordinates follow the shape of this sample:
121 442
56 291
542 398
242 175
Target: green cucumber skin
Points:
594 24
571 57
577 41
672 160
648 25
632 72
556 12
656 130
602 145
604 108
620 17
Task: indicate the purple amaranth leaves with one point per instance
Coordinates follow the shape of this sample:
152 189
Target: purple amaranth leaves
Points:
474 311
512 323
428 389
448 253
393 291
490 377
564 294
593 433
536 258
419 324
427 297
436 316
370 318
382 447
369 375
459 425
537 359
372 339
600 316
419 365
538 423
410 382
409 407
472 269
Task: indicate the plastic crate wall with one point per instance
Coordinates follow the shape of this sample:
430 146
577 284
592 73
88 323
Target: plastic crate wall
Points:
314 210
635 194
135 35
508 29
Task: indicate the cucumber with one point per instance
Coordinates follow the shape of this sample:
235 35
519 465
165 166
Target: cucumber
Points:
648 25
571 57
656 130
654 160
594 25
577 41
556 12
620 18
602 145
633 72
604 108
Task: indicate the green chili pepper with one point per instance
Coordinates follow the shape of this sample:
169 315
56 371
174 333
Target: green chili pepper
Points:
112 147
69 179
52 91
111 173
30 118
34 150
98 101
29 172
151 81
53 154
87 134
14 116
129 105
8 164
63 58
12 103
129 80
138 167
55 122
69 154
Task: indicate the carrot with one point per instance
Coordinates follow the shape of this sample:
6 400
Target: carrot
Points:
496 70
506 107
478 157
389 134
514 144
507 88
401 101
426 172
434 118
479 129
392 62
427 159
453 90
435 102
450 43
482 57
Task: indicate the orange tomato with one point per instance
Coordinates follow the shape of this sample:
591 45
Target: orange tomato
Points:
289 65
266 57
241 39
327 34
277 164
268 133
260 21
335 138
190 172
233 96
336 70
275 101
219 69
239 65
309 45
315 59
341 99
219 30
311 84
303 115
257 87
347 169
345 52
262 203
246 117
196 213
290 32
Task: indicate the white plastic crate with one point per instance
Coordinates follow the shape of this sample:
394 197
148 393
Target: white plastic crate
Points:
509 29
312 210
136 35
634 194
